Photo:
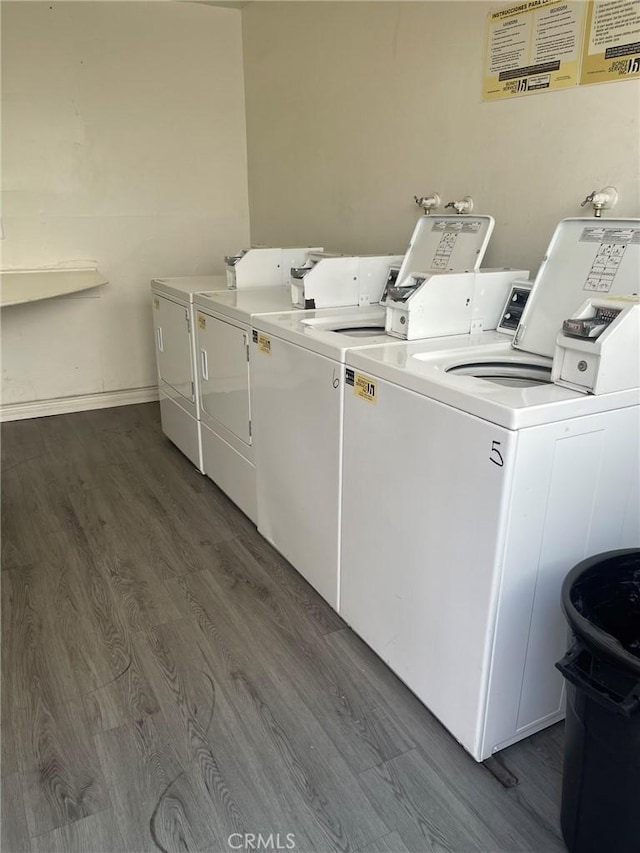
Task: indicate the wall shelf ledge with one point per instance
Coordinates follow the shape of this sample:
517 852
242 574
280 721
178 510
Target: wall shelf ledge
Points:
20 286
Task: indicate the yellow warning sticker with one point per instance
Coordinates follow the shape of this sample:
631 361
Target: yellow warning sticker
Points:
202 323
364 388
264 344
156 303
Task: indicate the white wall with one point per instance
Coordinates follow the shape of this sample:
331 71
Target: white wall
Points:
352 108
124 144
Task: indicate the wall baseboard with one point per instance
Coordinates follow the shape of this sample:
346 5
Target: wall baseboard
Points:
82 403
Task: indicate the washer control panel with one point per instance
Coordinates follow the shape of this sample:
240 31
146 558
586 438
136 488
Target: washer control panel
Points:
514 306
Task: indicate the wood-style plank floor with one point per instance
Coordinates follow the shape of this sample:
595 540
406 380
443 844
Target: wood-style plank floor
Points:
170 683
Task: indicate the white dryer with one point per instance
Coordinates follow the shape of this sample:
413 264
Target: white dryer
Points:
173 321
175 358
222 331
472 485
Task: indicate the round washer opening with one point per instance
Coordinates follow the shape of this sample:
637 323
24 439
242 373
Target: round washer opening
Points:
507 373
361 331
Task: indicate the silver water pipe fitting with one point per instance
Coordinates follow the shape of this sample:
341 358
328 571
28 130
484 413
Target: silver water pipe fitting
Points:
600 200
427 202
465 205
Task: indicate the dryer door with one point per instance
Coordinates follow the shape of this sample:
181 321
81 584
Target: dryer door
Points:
173 347
222 351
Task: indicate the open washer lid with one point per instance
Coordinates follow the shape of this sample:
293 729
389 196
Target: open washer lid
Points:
453 243
586 257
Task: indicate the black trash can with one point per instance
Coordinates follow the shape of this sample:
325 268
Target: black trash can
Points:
601 780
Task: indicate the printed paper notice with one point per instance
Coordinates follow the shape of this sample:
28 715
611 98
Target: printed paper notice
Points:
611 41
532 47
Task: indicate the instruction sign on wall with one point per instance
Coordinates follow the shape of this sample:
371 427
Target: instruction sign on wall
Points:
533 46
540 45
611 41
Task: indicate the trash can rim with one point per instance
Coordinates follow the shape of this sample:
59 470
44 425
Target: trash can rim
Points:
597 639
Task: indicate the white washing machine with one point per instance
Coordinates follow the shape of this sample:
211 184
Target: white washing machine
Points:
297 397
175 358
297 364
472 485
222 331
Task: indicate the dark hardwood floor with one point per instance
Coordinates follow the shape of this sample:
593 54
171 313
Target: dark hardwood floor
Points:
170 681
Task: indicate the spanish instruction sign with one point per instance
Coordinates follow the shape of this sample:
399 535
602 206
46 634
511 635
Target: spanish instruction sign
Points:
611 41
533 46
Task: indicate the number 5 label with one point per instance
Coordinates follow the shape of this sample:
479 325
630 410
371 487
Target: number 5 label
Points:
496 456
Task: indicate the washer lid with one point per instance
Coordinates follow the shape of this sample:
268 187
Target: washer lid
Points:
454 243
586 257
